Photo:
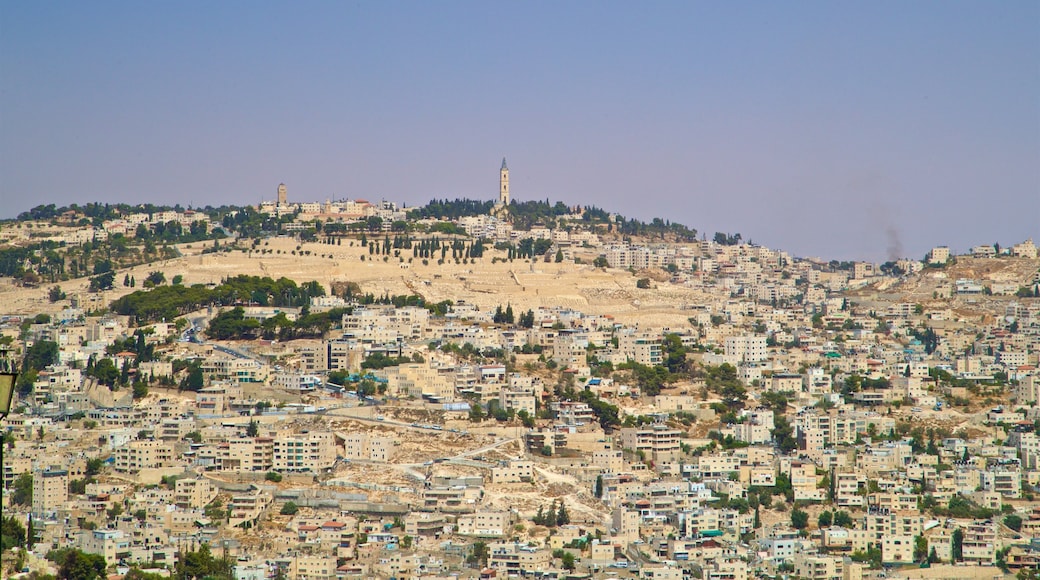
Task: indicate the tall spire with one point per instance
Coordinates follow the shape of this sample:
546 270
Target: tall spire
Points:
503 184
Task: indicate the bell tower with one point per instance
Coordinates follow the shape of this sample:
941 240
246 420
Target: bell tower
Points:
503 184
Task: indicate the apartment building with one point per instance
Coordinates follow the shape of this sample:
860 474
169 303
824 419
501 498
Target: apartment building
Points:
819 567
484 524
513 472
308 451
385 323
516 559
643 348
756 427
193 492
517 400
419 379
747 348
939 255
245 454
365 446
234 369
660 442
247 507
140 454
113 544
50 490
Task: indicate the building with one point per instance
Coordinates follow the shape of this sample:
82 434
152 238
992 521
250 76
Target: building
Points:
660 442
142 454
747 348
50 490
193 493
484 524
246 454
308 451
365 446
503 184
939 255
513 472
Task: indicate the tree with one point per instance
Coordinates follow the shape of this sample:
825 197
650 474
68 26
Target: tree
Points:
783 434
55 294
799 519
12 533
600 262
273 476
825 519
201 564
1014 522
559 256
289 509
94 466
253 429
843 519
40 355
562 517
78 565
957 545
154 279
23 490
479 554
643 283
599 486
920 548
194 381
105 371
102 281
567 561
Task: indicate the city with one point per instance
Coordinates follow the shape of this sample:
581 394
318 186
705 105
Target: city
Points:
318 391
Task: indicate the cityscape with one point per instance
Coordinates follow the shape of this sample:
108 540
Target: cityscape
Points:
502 388
519 290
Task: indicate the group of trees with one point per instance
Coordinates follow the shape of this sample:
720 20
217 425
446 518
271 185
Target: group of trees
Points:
233 325
445 209
656 228
556 515
727 239
75 564
170 302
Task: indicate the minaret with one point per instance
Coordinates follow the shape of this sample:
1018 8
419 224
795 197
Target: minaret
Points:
503 184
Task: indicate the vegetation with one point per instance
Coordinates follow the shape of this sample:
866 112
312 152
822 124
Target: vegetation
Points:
170 302
74 564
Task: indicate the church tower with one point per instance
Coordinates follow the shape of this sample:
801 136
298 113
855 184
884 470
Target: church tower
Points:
282 194
503 184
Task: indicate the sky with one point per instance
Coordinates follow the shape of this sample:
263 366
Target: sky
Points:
842 130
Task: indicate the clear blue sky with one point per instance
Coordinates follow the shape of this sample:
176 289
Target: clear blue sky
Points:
835 129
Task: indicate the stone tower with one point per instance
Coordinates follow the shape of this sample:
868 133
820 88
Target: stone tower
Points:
503 184
282 194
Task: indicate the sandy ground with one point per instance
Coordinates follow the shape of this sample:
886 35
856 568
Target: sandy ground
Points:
520 283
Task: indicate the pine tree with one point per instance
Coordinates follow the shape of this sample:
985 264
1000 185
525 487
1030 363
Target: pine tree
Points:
562 517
